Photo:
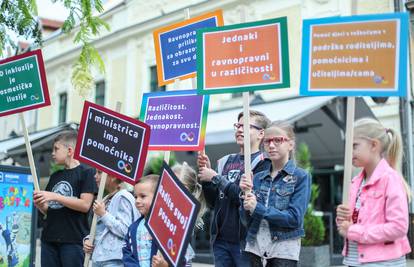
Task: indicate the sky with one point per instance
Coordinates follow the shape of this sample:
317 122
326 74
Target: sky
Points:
49 10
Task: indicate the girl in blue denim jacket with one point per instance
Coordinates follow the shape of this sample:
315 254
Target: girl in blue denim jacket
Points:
273 211
116 212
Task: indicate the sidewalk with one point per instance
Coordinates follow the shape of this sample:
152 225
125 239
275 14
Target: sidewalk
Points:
410 263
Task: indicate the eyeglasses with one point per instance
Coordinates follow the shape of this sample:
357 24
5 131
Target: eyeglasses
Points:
277 140
238 125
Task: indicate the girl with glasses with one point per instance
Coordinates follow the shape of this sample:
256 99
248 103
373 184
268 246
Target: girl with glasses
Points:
273 212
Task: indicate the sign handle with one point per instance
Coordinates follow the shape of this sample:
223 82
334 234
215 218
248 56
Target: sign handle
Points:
99 198
29 152
246 120
349 138
167 157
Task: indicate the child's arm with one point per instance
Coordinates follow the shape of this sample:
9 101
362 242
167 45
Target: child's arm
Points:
292 217
118 225
81 204
396 218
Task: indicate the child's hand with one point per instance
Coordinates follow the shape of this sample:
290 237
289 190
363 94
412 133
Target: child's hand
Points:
159 261
344 227
203 160
343 213
41 198
99 208
249 202
87 246
245 183
206 174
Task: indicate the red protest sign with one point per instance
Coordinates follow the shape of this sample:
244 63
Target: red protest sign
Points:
172 217
112 142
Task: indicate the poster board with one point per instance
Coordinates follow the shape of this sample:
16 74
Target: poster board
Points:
17 217
243 57
177 119
112 142
355 56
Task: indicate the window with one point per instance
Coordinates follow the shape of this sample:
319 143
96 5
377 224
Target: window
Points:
100 93
154 81
63 103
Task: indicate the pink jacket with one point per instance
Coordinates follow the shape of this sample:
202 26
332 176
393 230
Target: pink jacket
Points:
381 230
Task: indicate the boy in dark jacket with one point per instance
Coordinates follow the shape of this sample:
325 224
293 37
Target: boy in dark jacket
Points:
222 192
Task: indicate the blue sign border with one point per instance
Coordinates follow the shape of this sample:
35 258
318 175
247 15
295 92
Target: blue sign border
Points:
401 75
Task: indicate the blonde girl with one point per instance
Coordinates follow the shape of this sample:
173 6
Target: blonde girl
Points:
188 178
375 223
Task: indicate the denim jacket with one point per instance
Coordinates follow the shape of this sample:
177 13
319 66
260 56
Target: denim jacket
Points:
227 193
287 198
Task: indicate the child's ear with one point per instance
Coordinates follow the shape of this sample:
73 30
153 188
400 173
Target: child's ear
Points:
71 151
375 145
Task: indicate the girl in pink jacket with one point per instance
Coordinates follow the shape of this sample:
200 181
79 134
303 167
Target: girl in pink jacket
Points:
375 223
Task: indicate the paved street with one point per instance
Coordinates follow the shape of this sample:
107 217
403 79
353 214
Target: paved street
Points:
410 263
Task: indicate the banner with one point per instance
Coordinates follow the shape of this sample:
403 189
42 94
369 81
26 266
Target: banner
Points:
177 119
112 142
23 84
17 217
172 217
355 56
175 47
243 57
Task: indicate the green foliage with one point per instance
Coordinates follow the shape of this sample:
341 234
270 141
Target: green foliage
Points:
314 227
20 17
55 167
303 156
154 166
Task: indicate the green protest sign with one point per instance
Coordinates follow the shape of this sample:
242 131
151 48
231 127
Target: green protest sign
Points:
23 83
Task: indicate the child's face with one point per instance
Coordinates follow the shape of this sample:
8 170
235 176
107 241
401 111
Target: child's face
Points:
277 144
256 133
60 153
144 193
362 152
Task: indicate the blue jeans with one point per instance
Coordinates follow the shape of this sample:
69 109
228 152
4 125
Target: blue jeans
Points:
111 263
228 254
61 254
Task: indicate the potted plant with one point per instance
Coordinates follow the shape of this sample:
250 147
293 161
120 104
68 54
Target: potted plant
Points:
313 252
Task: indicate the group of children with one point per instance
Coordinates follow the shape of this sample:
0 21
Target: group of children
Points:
256 222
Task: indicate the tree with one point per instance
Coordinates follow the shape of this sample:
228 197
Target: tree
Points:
19 18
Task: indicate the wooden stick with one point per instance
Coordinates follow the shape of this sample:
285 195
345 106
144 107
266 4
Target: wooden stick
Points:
167 157
349 139
246 119
98 198
29 152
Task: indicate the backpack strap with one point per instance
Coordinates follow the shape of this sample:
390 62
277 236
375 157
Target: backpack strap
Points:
257 160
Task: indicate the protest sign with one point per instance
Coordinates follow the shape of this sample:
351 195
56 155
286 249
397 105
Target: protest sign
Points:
23 84
172 217
175 47
177 119
112 142
355 56
243 57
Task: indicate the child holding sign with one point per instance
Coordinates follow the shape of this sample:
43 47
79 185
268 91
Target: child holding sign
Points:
188 177
275 210
138 248
116 213
66 203
222 192
375 224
